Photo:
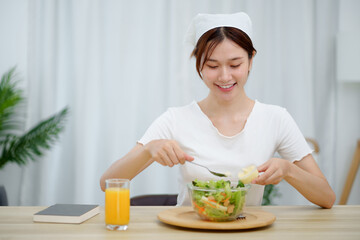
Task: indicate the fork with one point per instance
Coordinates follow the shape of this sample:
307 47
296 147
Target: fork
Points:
212 172
241 217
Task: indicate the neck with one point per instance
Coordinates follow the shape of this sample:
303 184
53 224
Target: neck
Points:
238 106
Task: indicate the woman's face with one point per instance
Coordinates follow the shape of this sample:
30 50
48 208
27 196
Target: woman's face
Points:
226 71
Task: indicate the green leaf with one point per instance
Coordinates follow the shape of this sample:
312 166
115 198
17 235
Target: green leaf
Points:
21 147
10 98
240 184
270 192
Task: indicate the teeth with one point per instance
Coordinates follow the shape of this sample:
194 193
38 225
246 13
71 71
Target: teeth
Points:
226 86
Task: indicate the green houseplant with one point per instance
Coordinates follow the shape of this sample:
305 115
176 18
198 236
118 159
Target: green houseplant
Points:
16 145
270 192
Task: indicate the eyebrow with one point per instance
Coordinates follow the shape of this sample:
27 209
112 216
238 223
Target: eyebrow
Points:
232 59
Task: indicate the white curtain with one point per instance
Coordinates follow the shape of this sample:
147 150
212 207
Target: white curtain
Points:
119 64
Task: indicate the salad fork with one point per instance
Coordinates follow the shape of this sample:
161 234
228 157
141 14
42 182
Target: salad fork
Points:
212 172
241 217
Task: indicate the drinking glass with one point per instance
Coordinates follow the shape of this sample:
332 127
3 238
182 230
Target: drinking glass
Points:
117 204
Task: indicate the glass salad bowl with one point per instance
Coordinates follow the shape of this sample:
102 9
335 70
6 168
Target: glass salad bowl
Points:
218 200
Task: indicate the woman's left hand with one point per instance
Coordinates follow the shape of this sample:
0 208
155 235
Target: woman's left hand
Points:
273 171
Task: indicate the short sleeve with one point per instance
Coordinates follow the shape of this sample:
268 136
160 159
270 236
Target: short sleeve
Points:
292 145
161 128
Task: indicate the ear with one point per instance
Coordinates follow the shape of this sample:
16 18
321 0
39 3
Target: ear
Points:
251 60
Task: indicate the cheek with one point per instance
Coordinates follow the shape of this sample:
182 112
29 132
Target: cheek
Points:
243 72
209 75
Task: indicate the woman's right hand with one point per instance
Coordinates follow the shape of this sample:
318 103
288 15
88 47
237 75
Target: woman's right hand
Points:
167 152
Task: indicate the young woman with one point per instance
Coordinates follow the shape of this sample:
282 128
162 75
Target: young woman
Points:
227 130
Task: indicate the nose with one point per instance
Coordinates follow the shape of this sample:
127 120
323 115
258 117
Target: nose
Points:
225 75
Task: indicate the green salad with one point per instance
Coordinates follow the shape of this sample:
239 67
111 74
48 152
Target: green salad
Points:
217 200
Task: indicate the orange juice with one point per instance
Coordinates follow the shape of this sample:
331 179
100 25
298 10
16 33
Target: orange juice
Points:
117 206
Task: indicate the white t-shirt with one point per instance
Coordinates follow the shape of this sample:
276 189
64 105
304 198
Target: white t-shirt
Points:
268 129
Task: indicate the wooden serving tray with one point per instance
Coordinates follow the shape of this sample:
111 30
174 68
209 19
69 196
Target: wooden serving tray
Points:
186 217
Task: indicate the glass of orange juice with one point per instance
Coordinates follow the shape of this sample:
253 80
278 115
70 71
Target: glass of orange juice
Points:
117 204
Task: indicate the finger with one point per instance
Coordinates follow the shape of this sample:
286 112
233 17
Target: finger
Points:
258 180
169 161
169 148
159 160
180 155
263 177
263 167
164 157
255 180
274 179
172 156
188 157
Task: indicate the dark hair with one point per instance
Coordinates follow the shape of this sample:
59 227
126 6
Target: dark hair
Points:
209 40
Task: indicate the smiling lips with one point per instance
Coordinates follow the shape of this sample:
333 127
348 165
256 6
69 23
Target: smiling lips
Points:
226 88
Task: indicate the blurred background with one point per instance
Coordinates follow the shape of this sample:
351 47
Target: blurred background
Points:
119 64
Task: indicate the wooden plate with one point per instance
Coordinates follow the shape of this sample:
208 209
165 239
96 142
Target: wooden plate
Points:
186 217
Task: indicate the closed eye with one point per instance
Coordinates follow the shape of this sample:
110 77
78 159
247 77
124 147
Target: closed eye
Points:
212 67
235 66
